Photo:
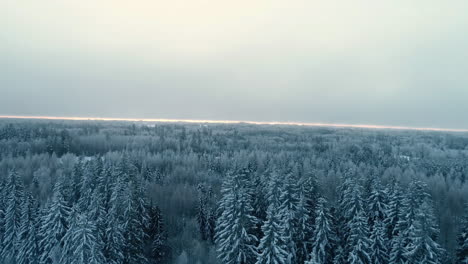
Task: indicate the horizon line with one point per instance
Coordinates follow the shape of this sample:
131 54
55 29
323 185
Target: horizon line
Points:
169 120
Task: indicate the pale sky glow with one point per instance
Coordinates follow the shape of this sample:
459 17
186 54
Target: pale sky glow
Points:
392 63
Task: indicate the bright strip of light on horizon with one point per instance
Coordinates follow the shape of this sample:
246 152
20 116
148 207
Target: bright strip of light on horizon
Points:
165 120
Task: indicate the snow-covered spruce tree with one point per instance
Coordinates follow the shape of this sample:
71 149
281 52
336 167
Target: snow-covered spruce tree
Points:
113 248
259 186
81 244
202 211
462 247
212 224
302 232
308 195
14 199
135 217
323 236
411 203
379 243
77 180
377 204
359 242
422 247
88 183
341 220
234 239
98 215
29 239
54 226
271 249
352 206
397 251
351 199
394 211
2 212
157 249
288 209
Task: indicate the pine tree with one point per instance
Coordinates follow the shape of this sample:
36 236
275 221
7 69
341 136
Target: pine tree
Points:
202 212
260 203
15 194
405 231
54 226
379 243
377 204
212 224
77 180
234 239
29 238
394 211
357 246
397 251
2 213
423 248
135 217
98 215
309 189
81 244
88 182
462 249
360 250
114 246
271 249
302 233
156 236
323 236
288 209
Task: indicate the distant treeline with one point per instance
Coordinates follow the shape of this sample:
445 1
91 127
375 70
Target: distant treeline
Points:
117 192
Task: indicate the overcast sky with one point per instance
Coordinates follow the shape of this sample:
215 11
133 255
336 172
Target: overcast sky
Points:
393 62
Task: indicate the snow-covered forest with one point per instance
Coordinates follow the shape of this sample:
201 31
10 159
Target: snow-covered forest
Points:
129 193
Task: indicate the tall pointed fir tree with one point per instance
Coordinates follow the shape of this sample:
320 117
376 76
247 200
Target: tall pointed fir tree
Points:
29 238
235 241
359 242
202 212
404 233
377 203
394 211
303 230
423 248
114 246
379 243
308 196
358 247
342 219
323 236
272 245
310 189
77 179
54 226
98 215
2 213
14 198
288 209
259 186
397 251
135 217
81 242
156 248
462 247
